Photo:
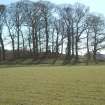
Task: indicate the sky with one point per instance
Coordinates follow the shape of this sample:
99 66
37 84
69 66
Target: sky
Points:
97 6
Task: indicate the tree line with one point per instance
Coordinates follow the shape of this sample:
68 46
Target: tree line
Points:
32 29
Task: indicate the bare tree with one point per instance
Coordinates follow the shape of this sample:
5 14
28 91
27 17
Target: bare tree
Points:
80 16
97 25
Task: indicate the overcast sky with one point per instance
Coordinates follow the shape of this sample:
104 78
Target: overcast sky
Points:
97 6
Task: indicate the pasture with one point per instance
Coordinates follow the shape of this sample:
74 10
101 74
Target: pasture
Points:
52 85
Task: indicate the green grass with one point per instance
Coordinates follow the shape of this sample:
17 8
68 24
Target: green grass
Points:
58 85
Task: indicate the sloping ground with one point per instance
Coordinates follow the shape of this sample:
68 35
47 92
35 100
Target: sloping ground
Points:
80 85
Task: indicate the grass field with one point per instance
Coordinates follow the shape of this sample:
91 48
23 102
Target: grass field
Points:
58 85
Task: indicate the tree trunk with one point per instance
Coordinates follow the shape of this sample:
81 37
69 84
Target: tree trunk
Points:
40 49
68 55
62 41
2 46
76 46
36 43
53 41
33 39
95 48
18 34
72 40
23 42
76 49
88 52
47 35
